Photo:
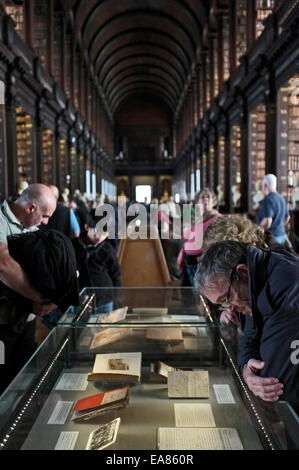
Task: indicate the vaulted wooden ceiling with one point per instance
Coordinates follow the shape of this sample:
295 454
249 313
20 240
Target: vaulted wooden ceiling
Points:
140 46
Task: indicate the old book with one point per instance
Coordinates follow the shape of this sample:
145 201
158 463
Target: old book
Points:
165 335
109 335
103 436
159 372
117 367
188 384
163 369
112 317
95 405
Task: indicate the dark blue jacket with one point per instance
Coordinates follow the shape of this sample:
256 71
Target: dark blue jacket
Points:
272 333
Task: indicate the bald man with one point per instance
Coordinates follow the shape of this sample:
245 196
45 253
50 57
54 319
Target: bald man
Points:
35 206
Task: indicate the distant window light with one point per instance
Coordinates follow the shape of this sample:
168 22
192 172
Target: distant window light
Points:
143 193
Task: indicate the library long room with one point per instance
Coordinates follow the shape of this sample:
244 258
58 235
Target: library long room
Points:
149 226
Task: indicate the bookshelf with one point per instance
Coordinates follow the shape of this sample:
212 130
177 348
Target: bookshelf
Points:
241 29
212 166
73 160
235 148
47 156
221 167
25 148
288 144
41 20
257 148
264 8
82 173
216 68
63 163
204 170
201 95
208 80
76 81
226 47
17 14
57 47
69 67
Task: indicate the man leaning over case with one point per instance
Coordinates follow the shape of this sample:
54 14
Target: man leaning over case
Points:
264 286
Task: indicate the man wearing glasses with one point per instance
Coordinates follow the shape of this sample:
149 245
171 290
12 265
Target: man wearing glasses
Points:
264 286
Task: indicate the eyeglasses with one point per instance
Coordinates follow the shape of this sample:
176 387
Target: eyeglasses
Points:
226 302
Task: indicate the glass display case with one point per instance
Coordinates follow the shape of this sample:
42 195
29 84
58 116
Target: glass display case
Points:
147 389
145 305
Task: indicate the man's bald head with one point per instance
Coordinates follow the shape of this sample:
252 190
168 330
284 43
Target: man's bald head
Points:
36 205
54 190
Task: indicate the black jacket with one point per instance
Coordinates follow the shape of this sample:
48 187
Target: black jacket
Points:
271 333
49 261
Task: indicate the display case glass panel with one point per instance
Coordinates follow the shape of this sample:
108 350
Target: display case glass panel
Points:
235 148
48 156
288 141
241 29
25 147
257 149
37 409
138 305
264 8
16 11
